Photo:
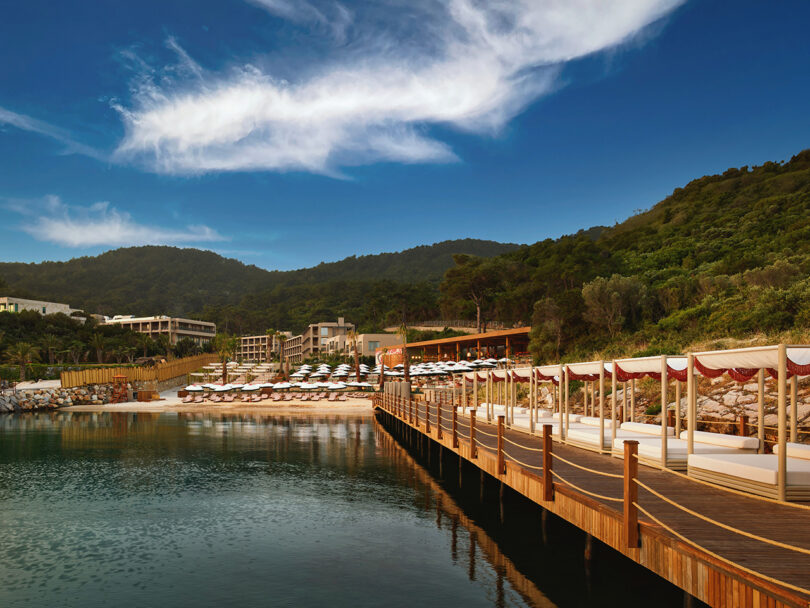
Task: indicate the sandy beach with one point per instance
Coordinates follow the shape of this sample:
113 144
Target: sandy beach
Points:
170 402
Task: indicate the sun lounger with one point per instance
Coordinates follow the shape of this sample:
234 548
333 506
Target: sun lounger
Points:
649 450
342 398
198 399
265 396
188 398
755 473
229 398
332 397
750 444
276 397
288 397
304 397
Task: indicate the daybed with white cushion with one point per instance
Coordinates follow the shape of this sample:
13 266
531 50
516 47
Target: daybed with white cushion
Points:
756 473
745 444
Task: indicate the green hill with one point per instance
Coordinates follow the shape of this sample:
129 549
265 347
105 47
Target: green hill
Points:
169 280
725 256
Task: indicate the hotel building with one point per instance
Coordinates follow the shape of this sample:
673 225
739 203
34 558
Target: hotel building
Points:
176 328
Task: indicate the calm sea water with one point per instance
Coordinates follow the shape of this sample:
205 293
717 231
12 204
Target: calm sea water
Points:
123 509
168 510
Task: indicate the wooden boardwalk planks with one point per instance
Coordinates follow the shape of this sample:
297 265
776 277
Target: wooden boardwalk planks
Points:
707 578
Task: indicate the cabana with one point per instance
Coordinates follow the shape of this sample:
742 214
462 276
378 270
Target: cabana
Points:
588 438
783 475
660 445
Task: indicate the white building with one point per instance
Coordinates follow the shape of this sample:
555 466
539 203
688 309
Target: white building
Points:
176 328
8 304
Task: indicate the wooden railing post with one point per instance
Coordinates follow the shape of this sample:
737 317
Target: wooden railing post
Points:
743 430
501 463
630 494
438 420
455 427
548 485
416 411
427 417
671 418
473 449
410 411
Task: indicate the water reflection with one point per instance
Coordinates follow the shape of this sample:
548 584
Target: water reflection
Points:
232 510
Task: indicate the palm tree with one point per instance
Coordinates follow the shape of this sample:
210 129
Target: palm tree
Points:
352 337
226 347
165 344
75 350
98 343
282 339
144 342
51 344
22 354
271 341
403 334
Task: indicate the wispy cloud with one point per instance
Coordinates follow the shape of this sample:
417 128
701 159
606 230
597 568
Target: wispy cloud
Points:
332 17
100 224
465 64
33 125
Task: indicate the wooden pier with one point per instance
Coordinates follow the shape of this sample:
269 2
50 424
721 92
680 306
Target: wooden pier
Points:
720 546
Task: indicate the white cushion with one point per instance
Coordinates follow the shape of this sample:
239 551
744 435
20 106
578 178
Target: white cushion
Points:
650 447
594 421
795 450
648 429
571 417
755 467
543 413
730 441
589 436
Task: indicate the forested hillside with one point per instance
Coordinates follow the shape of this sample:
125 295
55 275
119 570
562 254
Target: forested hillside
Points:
725 256
242 298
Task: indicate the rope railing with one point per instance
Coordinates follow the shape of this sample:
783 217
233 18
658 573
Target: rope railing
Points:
522 447
521 463
579 466
729 490
720 557
479 431
584 491
719 524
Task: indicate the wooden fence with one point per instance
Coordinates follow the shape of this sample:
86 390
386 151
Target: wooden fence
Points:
158 373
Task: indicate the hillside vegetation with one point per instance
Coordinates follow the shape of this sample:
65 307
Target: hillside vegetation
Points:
371 290
726 256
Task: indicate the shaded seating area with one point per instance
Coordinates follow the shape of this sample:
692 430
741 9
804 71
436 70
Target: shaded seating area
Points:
736 461
782 475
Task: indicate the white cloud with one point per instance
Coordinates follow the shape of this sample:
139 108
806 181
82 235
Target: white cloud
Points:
473 66
100 224
33 125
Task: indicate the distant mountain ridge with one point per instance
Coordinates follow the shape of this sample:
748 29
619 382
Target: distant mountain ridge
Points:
169 280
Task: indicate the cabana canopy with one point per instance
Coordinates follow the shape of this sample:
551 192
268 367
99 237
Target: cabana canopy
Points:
589 370
629 369
743 363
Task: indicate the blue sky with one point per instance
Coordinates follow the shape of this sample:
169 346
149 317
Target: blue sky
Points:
285 133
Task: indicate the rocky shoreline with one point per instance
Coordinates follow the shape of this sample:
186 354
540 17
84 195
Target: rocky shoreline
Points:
36 399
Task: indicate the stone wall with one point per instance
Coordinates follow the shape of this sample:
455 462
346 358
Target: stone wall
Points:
51 398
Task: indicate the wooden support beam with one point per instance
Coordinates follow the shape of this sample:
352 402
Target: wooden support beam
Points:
548 485
455 428
473 449
631 536
501 462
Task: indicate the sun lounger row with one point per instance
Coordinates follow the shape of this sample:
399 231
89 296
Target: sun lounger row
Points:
255 397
